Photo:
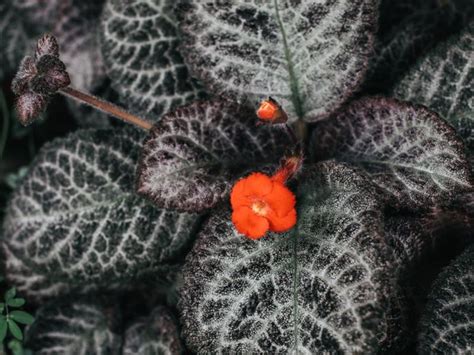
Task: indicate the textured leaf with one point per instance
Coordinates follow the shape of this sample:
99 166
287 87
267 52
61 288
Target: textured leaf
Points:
156 334
192 155
448 323
408 240
309 56
75 24
76 219
408 29
322 287
410 153
139 43
444 81
79 327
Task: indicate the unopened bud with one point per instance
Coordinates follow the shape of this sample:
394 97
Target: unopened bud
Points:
270 111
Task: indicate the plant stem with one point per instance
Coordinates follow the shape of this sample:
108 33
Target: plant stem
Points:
105 106
301 131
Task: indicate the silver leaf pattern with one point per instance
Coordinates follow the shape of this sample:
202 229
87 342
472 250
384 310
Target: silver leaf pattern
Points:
409 151
309 56
322 287
194 154
140 45
75 327
75 217
448 323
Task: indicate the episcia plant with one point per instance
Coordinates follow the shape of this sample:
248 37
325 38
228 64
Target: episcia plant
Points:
290 211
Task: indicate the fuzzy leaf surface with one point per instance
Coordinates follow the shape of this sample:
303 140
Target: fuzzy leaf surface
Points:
408 30
75 327
412 154
444 81
75 217
448 323
309 56
319 288
156 334
140 46
193 155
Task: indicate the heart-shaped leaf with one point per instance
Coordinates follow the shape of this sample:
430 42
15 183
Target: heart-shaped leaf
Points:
410 153
408 29
75 327
309 56
75 217
444 81
193 154
322 287
139 42
448 323
156 334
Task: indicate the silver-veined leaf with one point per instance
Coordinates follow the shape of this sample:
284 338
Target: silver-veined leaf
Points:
309 56
75 327
444 81
75 217
413 155
448 322
323 287
192 155
140 46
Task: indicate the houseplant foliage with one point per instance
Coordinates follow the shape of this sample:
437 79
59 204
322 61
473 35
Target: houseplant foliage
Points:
372 178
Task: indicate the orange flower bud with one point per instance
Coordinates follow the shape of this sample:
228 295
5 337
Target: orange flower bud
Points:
270 111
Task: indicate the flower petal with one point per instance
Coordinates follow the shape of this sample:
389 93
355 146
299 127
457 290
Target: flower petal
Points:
258 185
250 224
238 197
281 224
281 200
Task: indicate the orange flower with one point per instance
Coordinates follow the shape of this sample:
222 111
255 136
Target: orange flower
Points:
261 203
271 111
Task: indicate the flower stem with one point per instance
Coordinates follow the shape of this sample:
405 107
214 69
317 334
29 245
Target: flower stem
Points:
301 131
105 106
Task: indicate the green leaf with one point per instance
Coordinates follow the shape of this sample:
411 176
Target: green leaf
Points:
22 317
16 302
2 307
193 155
16 347
3 328
140 46
76 326
308 55
15 329
10 294
75 219
411 154
323 287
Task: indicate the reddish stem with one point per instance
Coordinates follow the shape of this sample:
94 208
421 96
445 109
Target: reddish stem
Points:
105 106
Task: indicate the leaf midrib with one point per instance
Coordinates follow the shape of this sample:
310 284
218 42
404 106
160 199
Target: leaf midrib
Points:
294 87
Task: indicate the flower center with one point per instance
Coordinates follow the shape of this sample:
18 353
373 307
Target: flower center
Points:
260 208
